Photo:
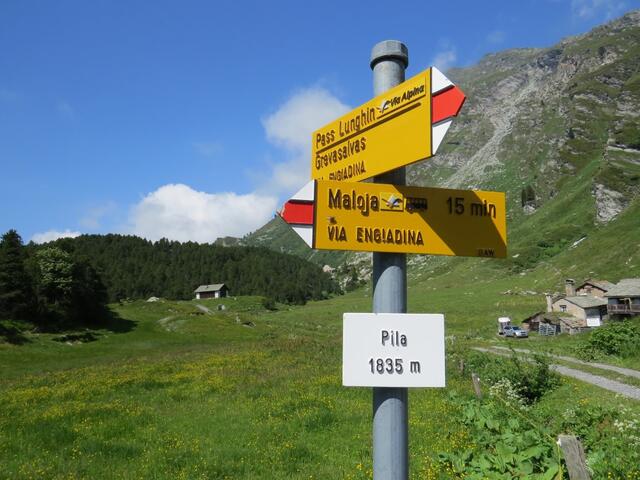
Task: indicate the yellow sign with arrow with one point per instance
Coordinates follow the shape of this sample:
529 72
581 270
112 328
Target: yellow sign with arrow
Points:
402 126
386 218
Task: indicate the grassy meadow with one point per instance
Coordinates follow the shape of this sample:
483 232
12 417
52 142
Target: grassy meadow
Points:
243 393
168 391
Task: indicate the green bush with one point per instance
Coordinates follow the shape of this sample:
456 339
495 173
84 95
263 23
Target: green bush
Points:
610 436
509 442
530 380
506 445
615 338
269 303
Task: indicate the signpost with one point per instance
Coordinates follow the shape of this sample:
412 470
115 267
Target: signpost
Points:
375 217
403 125
390 350
393 350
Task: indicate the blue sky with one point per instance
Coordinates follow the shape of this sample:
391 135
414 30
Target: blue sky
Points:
191 120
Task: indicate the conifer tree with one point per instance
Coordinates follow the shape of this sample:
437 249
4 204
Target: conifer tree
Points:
15 285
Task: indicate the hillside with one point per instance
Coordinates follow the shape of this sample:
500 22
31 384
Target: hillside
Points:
132 267
557 129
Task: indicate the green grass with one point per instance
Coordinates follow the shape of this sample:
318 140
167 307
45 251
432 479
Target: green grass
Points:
136 330
214 396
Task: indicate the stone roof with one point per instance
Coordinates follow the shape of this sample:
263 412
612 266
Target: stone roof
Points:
585 301
601 284
209 288
627 287
554 318
542 315
572 322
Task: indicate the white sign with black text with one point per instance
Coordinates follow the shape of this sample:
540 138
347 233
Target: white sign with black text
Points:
393 350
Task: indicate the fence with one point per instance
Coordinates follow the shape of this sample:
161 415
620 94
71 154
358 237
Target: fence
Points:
546 329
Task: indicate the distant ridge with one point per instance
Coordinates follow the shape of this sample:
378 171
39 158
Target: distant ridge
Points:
557 129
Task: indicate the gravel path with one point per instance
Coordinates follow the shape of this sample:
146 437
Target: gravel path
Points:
623 389
621 370
606 383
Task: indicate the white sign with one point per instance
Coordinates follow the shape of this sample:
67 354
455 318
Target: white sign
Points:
393 350
593 321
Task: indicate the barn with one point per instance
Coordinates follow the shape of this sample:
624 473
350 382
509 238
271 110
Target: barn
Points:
217 290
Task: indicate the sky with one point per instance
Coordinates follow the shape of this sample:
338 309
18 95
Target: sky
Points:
192 120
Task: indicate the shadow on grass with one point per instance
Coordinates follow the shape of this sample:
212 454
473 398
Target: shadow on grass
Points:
115 323
81 328
84 337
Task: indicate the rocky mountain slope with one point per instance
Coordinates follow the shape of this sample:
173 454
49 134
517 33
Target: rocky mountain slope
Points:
556 128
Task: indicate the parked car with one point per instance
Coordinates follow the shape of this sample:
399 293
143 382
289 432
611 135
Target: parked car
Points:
511 331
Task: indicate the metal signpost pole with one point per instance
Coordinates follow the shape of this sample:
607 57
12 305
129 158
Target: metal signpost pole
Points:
389 59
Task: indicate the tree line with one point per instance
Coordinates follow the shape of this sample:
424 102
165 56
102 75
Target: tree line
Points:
71 277
47 285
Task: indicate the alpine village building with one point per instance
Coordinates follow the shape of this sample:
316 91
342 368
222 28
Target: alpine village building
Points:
572 312
624 298
586 306
217 290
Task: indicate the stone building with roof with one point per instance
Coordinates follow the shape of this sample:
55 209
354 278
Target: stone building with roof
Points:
216 290
571 312
588 310
588 305
594 288
624 297
553 323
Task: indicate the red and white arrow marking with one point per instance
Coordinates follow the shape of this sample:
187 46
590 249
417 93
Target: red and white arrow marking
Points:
446 102
299 212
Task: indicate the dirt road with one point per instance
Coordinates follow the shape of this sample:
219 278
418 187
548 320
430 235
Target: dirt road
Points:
621 388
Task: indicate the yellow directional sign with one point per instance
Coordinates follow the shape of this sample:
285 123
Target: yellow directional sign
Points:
401 126
387 218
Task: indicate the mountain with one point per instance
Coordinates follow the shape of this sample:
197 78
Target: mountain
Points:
558 130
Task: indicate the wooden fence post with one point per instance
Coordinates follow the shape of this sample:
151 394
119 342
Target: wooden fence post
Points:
574 457
461 366
476 384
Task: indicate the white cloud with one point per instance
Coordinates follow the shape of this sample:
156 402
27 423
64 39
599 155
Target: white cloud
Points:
294 121
290 127
52 235
288 176
207 149
178 212
446 57
590 8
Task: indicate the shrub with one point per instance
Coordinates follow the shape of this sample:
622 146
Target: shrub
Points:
529 379
614 338
269 303
506 445
610 436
